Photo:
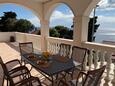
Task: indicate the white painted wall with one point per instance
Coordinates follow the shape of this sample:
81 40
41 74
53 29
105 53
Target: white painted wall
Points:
5 36
26 37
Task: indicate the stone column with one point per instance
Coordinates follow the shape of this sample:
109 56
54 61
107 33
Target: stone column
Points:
44 34
80 30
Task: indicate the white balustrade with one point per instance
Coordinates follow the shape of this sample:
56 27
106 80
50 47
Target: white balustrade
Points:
54 44
102 56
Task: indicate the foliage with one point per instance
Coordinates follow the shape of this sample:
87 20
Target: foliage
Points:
54 33
61 32
9 22
23 25
92 31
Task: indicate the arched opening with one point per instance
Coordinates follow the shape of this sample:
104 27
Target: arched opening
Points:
106 18
22 15
61 22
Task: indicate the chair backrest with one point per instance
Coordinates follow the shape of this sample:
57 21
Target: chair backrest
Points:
26 48
6 73
93 77
64 50
78 54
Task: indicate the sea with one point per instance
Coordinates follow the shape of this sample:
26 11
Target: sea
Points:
104 36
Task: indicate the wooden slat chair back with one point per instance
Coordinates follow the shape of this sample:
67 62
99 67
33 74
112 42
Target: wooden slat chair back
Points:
6 72
26 48
93 77
79 54
19 76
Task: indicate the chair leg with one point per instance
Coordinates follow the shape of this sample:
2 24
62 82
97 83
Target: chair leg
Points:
3 81
7 82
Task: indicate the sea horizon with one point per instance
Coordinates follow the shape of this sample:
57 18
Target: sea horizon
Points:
105 35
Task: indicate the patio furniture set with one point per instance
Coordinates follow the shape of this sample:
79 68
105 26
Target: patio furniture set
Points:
55 68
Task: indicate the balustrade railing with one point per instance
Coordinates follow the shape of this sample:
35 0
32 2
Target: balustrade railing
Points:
101 54
54 44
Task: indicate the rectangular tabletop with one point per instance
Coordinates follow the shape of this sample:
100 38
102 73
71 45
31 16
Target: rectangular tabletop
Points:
55 66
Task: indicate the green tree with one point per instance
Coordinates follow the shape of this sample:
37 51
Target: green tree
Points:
54 33
23 25
63 31
9 22
92 31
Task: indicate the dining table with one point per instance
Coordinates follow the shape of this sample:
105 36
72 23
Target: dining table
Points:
54 65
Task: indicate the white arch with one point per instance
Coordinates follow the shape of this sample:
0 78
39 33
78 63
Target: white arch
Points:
52 8
90 7
36 8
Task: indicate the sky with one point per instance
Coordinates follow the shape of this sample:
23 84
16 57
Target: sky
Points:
106 15
62 15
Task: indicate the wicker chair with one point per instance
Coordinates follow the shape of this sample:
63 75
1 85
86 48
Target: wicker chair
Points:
17 75
91 78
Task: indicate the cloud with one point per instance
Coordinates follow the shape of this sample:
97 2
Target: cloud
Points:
35 21
106 5
60 18
108 19
59 15
106 22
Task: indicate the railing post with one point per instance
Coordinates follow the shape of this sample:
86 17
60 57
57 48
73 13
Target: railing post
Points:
113 81
96 57
85 62
107 78
102 58
113 60
90 59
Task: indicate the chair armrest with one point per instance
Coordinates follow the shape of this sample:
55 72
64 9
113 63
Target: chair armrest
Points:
19 71
12 61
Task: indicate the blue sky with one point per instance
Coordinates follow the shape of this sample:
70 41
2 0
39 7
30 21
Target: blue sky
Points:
106 15
64 17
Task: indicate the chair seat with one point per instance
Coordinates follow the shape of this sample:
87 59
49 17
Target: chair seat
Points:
77 65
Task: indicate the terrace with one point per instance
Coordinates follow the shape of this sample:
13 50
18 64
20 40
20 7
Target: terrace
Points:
103 52
43 9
